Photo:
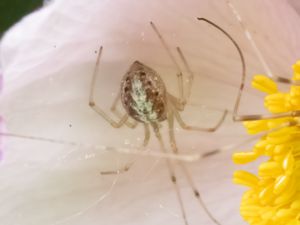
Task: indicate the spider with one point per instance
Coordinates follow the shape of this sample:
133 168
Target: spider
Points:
145 98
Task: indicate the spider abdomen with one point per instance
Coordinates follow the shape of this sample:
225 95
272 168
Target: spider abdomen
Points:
143 94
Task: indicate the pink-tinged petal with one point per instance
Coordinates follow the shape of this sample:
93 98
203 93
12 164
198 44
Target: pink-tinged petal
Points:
48 59
2 129
1 122
1 82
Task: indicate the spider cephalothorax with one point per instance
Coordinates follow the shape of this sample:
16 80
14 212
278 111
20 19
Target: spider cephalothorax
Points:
143 94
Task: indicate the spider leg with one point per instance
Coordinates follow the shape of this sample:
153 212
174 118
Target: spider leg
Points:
118 171
185 170
179 72
129 165
190 77
147 135
207 129
171 172
180 104
183 125
95 107
236 116
117 112
183 97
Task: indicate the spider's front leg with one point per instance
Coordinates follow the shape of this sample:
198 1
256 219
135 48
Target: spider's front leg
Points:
184 93
95 107
182 96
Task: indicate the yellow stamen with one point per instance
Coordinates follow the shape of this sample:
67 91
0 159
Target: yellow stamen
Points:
244 157
273 196
264 84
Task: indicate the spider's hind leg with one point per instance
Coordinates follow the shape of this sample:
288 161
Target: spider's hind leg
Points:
175 112
171 172
185 170
129 165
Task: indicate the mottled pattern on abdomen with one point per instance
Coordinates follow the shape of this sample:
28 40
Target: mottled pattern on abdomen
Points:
143 94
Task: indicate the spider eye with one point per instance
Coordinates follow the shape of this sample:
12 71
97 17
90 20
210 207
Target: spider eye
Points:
155 93
142 75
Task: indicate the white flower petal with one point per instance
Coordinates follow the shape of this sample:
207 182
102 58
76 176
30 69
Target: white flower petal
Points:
48 59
